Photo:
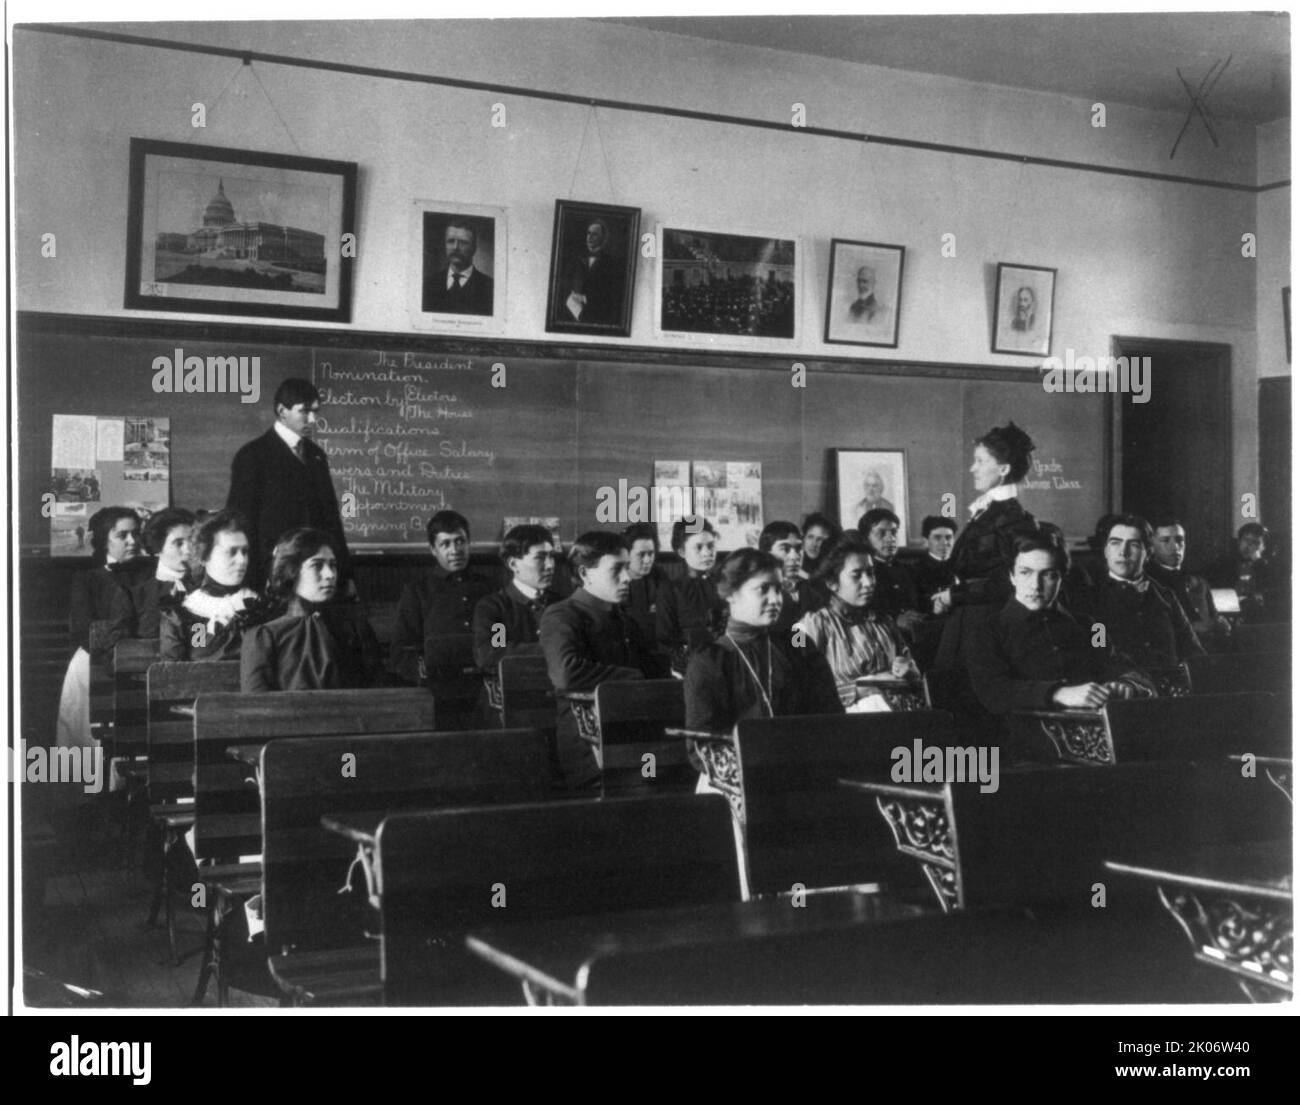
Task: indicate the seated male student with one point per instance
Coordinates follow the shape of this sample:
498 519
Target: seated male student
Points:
784 541
508 622
895 592
432 641
589 639
1245 571
1168 555
1033 655
642 541
1142 619
932 573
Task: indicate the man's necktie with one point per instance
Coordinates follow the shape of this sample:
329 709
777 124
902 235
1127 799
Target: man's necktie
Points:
300 451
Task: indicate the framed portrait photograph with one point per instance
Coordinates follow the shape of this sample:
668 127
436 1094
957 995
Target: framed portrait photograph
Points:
733 285
864 293
222 231
1022 312
458 278
593 269
869 478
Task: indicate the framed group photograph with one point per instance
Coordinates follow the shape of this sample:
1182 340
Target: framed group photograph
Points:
864 293
458 280
223 231
1022 311
866 479
593 269
727 284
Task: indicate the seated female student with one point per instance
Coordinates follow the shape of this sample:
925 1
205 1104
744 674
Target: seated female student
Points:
208 622
1031 654
750 671
690 614
167 539
642 541
101 613
784 541
588 639
317 644
855 639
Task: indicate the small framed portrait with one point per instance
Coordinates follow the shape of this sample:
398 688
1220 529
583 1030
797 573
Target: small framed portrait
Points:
220 231
1022 312
867 479
864 293
727 285
459 278
593 269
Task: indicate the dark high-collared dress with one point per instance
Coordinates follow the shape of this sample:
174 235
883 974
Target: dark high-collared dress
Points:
690 615
311 648
588 641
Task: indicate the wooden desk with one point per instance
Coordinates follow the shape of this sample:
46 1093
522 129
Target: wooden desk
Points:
1235 905
555 960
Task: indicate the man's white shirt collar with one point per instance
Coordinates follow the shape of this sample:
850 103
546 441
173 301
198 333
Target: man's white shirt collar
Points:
529 592
452 274
290 438
999 494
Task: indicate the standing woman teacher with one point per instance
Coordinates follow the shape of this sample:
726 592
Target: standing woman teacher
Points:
984 552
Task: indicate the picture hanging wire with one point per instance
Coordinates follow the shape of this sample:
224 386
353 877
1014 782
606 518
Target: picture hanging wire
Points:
246 63
593 119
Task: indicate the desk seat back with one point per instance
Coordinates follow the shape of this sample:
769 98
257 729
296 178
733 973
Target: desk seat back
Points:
1044 835
1241 673
442 872
1262 637
527 697
172 683
632 716
228 819
304 779
1200 727
799 824
131 660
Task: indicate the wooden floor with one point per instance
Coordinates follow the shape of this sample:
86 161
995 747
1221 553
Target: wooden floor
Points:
86 904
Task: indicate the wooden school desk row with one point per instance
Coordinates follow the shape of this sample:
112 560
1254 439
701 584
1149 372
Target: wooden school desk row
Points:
791 818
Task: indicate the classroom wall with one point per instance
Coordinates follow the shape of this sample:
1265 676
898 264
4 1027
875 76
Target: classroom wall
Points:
1135 257
1273 272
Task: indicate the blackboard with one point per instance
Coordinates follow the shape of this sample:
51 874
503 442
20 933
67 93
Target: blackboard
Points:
538 429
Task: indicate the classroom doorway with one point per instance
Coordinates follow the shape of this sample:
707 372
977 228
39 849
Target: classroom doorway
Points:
1175 452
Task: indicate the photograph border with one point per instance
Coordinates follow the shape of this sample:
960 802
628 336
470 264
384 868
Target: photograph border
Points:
900 500
998 335
565 209
344 175
831 283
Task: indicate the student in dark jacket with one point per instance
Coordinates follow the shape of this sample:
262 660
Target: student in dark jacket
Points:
983 553
1245 571
281 481
318 644
820 532
931 574
895 592
1167 567
642 541
1033 655
752 671
784 541
1142 619
208 622
100 614
588 639
508 622
433 641
691 614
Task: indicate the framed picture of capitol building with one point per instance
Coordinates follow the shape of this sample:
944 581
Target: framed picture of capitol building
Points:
233 232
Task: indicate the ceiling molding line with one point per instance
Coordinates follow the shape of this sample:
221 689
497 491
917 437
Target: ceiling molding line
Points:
623 105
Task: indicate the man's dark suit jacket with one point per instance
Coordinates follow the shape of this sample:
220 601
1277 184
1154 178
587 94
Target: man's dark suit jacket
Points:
275 492
602 282
474 297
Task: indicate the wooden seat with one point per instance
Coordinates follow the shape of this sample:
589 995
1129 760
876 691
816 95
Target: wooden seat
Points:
447 872
1262 637
227 814
1138 730
1045 833
527 697
1241 673
797 824
634 752
304 865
